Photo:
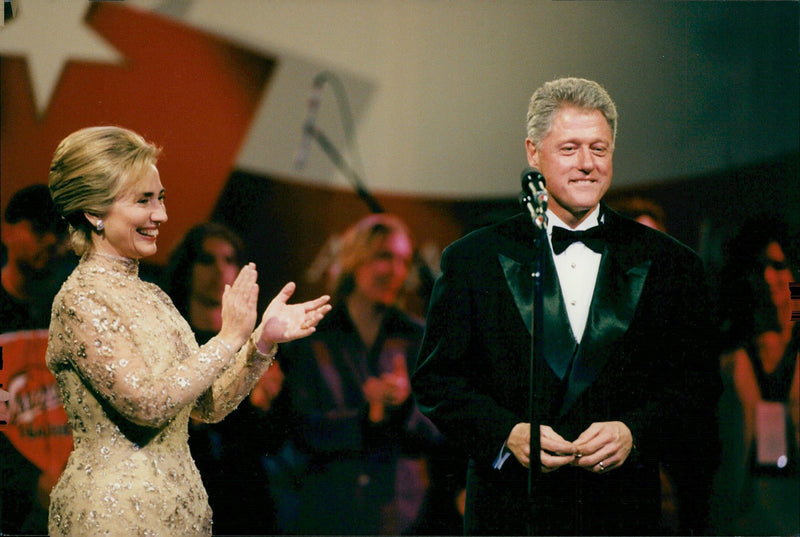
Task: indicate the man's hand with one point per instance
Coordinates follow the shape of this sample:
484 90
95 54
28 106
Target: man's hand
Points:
603 446
519 443
556 452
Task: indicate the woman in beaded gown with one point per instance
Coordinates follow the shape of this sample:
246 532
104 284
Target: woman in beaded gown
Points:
130 371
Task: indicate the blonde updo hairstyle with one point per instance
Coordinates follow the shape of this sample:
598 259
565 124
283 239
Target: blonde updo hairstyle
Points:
359 244
90 168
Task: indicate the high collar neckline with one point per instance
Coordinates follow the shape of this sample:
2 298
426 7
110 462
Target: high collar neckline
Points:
125 265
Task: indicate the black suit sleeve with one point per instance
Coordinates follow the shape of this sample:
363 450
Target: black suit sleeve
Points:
449 382
690 444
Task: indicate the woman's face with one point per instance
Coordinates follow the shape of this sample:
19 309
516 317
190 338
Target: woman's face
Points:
777 274
215 267
381 277
132 221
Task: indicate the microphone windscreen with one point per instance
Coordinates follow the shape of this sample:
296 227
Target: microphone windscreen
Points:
531 176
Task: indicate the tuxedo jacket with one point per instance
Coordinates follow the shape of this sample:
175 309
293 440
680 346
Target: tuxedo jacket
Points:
644 360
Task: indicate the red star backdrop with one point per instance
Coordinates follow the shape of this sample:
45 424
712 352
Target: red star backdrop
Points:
188 91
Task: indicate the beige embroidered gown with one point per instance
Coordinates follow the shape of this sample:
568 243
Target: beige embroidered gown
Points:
131 374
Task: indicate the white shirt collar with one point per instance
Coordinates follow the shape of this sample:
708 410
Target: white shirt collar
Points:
593 219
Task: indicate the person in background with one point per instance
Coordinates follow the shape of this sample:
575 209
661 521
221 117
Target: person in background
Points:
129 368
357 434
756 492
32 235
207 260
646 212
625 359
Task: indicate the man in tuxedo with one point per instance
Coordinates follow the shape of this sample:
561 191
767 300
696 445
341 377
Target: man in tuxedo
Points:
626 368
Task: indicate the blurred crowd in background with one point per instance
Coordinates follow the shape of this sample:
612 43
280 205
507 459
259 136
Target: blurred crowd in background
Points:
330 441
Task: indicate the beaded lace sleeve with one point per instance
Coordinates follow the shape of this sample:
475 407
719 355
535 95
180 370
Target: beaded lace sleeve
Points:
234 384
133 349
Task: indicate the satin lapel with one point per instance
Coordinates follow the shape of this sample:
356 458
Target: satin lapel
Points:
520 283
559 344
617 292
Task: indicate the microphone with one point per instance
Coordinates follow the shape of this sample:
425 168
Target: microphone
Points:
534 196
309 125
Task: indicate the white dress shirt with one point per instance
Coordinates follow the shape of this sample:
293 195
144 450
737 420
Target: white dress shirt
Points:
577 268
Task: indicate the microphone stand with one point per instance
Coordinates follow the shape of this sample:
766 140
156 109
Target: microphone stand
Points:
342 165
536 202
425 274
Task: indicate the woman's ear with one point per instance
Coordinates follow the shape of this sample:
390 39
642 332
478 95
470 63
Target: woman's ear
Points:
92 219
95 221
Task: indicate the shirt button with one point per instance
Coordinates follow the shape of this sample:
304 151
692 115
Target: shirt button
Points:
573 265
572 302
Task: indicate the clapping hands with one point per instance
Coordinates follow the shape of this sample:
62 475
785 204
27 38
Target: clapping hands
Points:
281 322
284 322
390 389
239 302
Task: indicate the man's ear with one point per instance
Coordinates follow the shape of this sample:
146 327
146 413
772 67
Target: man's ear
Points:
531 153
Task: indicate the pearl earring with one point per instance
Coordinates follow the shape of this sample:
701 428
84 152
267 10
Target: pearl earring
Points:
100 225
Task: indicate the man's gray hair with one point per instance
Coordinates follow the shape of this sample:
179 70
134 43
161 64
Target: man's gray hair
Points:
579 92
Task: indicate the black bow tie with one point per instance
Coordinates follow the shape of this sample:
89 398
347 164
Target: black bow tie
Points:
592 237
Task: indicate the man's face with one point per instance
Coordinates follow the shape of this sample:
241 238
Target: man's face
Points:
30 249
575 159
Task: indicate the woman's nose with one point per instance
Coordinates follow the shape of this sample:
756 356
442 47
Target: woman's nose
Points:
159 215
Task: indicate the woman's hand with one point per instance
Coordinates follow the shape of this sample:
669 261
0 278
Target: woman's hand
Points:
374 392
284 322
239 303
396 382
390 389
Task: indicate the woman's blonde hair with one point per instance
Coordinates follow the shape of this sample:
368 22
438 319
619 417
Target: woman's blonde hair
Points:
90 168
358 246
